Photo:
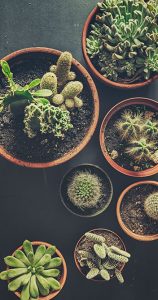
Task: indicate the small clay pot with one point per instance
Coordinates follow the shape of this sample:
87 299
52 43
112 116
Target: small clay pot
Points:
91 212
63 276
123 104
86 29
96 231
144 238
19 56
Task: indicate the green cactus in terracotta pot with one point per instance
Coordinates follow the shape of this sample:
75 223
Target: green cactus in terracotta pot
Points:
151 206
33 271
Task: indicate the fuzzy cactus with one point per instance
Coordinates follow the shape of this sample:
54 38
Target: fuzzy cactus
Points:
141 149
151 127
49 81
72 89
58 99
34 272
101 260
85 190
151 206
119 39
45 118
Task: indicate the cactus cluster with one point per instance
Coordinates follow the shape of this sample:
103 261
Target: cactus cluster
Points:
34 273
61 80
123 40
101 260
85 190
139 135
151 206
45 118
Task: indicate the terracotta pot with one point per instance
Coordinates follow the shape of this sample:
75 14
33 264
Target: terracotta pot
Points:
105 80
80 240
62 279
17 57
132 101
94 170
144 238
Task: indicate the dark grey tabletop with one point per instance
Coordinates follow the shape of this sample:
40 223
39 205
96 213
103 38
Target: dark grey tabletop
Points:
30 203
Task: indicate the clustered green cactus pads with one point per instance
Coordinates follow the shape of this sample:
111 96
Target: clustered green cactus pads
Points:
99 260
33 272
122 41
151 206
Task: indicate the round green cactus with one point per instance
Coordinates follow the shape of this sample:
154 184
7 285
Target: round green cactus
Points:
151 206
72 89
63 68
140 149
85 190
34 273
49 81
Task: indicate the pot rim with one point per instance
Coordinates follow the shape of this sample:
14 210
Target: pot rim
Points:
108 116
95 116
96 72
109 199
64 273
143 238
93 230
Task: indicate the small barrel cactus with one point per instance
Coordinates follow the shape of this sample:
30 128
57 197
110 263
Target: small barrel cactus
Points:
58 99
85 190
151 206
33 272
49 81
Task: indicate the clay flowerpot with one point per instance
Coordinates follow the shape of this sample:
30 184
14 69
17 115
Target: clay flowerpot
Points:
124 104
103 203
63 276
107 233
145 238
105 80
24 56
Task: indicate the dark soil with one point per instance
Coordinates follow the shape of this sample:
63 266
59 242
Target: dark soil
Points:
132 210
106 191
111 240
42 148
114 142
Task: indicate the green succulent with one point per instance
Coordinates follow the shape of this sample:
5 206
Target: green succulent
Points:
18 97
85 190
49 81
151 127
121 37
141 149
42 117
100 259
151 206
34 272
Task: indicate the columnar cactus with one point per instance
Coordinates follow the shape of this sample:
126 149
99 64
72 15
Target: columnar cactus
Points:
151 206
100 259
85 190
33 273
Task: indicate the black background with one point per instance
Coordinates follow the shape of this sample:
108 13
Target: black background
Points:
30 204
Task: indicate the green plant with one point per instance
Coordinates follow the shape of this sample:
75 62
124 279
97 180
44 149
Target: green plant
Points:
34 273
151 206
17 97
42 117
123 40
101 260
85 190
129 124
49 81
141 149
151 127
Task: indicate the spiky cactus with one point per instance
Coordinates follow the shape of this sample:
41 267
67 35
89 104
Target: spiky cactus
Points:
49 81
140 149
120 37
34 272
101 260
151 206
45 118
85 190
151 127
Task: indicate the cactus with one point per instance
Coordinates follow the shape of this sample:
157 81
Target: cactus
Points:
49 81
72 89
121 38
101 260
85 190
140 149
151 127
129 125
69 103
36 277
78 102
45 118
151 206
58 99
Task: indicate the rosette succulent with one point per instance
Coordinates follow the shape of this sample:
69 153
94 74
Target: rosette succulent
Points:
33 272
123 40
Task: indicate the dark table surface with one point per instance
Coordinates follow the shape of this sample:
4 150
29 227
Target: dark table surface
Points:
30 204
